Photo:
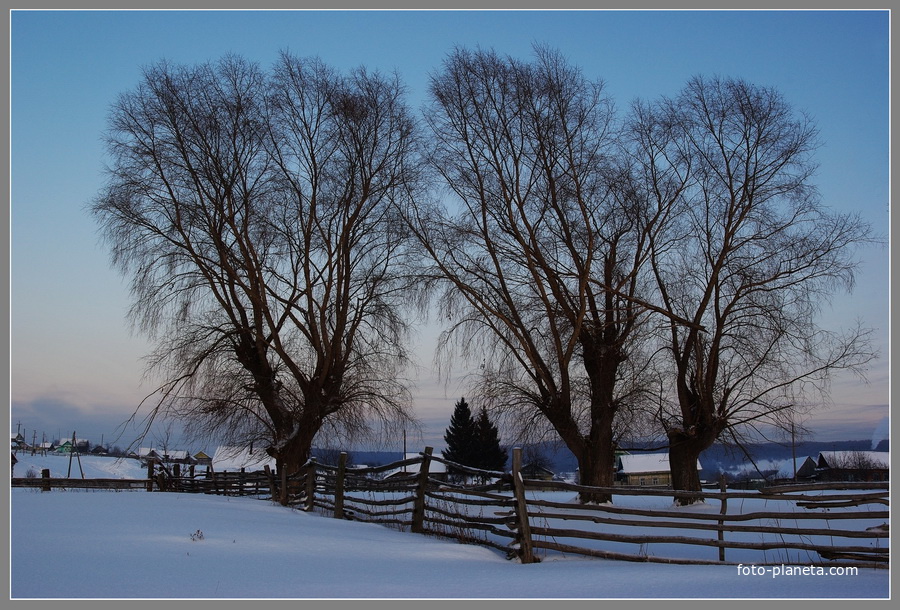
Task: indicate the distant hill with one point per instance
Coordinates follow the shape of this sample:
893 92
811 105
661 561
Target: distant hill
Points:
718 458
724 458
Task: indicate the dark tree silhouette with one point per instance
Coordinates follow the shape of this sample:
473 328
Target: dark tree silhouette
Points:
256 216
461 436
489 455
748 256
537 273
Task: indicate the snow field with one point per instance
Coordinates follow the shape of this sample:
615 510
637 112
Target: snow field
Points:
104 544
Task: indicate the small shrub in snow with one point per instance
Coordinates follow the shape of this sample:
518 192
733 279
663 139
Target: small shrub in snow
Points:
198 535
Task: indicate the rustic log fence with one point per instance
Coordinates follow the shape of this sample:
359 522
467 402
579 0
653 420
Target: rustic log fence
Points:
833 524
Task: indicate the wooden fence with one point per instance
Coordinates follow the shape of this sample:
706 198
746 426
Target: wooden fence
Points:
831 524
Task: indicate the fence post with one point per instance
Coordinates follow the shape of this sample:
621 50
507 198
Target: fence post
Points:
150 475
310 484
273 489
526 551
418 516
339 486
284 491
45 476
722 511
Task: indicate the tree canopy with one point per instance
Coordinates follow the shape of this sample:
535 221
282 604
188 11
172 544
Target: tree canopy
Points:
256 214
602 275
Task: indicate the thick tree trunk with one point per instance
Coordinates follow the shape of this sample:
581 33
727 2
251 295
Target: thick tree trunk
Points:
684 453
596 468
597 463
595 453
294 452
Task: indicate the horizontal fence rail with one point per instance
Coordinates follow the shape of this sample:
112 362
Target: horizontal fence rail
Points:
834 524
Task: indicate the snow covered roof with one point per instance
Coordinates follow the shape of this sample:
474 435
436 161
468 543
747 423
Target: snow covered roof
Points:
162 454
234 458
174 454
645 462
852 459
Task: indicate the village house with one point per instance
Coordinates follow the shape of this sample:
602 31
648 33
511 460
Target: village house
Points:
865 466
537 472
645 470
176 456
62 446
202 459
17 442
164 456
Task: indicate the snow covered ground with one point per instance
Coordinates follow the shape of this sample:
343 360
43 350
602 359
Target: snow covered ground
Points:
104 544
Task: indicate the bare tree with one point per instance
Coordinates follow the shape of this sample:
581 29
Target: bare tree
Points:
749 256
256 216
538 271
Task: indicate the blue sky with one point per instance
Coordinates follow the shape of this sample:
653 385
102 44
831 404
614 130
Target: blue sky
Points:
75 363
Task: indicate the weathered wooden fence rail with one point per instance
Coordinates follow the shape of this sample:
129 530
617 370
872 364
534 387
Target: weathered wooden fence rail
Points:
834 524
797 522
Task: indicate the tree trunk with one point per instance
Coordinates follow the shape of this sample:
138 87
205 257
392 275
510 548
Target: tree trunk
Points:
684 452
596 468
598 462
293 452
595 454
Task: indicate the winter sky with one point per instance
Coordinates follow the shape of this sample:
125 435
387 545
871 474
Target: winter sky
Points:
75 364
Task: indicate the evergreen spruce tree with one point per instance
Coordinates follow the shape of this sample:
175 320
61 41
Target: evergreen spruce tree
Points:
490 455
461 436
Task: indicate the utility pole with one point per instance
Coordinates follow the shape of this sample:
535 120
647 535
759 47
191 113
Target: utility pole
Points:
77 455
